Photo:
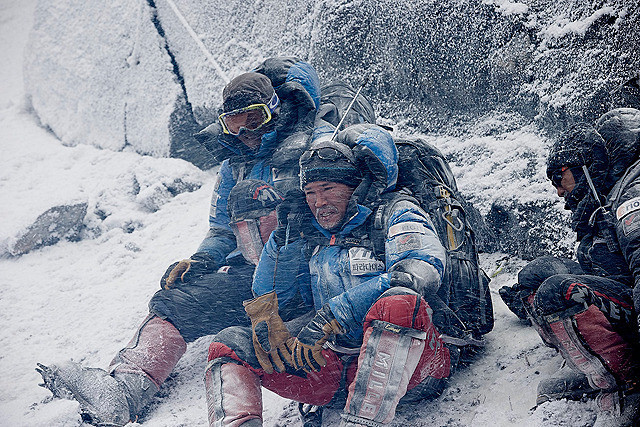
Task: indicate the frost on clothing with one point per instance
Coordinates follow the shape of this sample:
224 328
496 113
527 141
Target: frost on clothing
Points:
330 277
298 87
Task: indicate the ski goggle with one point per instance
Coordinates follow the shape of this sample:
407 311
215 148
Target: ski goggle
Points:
252 234
556 176
249 118
331 151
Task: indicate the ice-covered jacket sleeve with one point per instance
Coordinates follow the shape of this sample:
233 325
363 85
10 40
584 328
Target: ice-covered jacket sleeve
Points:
415 258
220 241
410 241
285 270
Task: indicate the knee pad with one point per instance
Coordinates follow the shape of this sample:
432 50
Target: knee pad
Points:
234 342
401 306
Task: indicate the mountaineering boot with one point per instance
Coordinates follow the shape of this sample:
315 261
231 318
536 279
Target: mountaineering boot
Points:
234 396
102 398
146 362
566 383
588 343
134 377
511 297
618 409
310 415
388 358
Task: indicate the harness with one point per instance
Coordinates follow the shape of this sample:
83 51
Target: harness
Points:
370 235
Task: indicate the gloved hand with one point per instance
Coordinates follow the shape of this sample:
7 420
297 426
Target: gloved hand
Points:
374 175
271 338
293 213
512 297
198 265
307 350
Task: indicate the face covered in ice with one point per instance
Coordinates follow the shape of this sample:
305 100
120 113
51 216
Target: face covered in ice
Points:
328 201
252 233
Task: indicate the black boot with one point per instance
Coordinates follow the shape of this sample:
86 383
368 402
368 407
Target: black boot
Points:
311 415
566 383
512 298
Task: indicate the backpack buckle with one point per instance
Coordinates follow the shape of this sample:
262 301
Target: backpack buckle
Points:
443 192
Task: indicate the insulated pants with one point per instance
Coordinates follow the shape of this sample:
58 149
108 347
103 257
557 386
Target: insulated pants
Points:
397 310
591 321
206 305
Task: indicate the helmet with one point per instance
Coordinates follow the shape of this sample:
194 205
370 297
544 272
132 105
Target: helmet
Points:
575 148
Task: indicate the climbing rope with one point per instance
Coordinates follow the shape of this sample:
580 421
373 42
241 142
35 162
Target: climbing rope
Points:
195 38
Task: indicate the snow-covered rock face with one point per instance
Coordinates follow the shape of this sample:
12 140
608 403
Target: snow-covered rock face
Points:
100 74
130 74
127 73
552 61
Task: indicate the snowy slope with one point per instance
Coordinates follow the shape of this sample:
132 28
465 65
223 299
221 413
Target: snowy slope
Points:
84 300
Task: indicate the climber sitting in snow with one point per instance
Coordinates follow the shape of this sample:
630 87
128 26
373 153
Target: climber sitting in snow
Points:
586 310
265 124
371 326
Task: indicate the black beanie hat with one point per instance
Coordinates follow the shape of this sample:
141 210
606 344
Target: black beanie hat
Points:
340 170
575 148
252 198
247 89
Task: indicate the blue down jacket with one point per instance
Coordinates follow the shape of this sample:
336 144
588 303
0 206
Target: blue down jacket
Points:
298 87
351 278
348 279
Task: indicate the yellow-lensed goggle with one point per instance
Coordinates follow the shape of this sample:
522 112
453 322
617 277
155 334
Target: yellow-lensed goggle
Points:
249 118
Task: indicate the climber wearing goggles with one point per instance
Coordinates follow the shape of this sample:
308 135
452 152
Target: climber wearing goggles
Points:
249 118
328 150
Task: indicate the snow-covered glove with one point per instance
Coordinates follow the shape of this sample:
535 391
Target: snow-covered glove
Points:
293 214
272 341
374 180
198 265
512 297
307 351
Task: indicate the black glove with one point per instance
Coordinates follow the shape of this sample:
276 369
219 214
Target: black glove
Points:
293 214
198 265
374 180
512 297
307 348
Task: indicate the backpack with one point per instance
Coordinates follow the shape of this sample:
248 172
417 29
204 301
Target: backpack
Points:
425 174
425 178
334 101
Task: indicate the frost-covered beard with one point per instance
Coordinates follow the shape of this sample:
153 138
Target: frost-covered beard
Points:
352 210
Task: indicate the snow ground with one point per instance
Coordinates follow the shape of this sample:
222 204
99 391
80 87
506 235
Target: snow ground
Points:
84 300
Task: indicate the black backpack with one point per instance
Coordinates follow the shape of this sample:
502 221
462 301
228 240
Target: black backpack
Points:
334 101
425 174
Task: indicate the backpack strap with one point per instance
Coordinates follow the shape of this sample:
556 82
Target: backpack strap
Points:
377 231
